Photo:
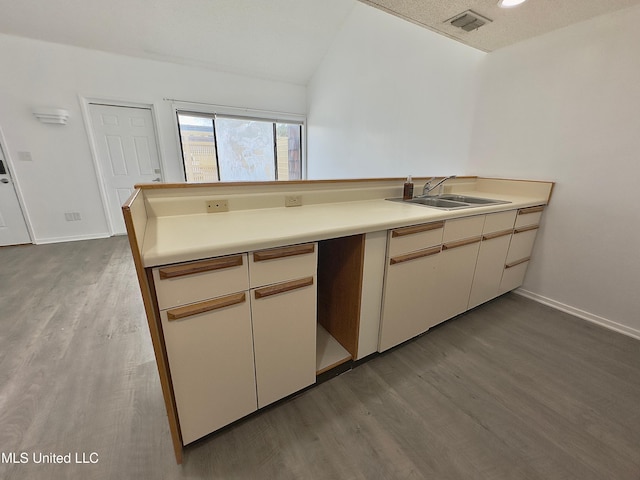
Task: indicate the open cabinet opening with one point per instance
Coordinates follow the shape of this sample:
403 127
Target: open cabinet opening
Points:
340 267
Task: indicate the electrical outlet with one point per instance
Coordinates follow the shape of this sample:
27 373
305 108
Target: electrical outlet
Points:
72 216
215 206
293 201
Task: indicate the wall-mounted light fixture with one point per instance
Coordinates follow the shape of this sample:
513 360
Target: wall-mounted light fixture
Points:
510 3
52 115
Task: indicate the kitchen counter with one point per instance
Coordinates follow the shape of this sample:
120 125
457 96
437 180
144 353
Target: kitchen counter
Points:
334 283
179 238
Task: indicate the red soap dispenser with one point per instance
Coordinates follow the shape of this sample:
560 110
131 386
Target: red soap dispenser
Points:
407 193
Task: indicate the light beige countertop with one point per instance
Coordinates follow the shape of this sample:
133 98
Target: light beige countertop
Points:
180 238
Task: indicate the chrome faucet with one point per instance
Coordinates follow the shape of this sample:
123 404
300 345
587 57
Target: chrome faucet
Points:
428 188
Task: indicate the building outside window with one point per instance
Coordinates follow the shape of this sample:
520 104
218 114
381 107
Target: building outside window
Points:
233 148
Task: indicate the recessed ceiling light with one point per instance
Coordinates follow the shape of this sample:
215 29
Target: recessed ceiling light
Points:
510 3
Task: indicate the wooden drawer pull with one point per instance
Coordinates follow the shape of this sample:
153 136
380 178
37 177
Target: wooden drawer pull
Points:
202 307
525 211
414 255
200 267
491 236
461 243
526 229
517 262
400 232
283 287
283 252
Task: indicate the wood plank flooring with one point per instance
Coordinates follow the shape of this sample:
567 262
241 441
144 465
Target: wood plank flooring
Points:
511 390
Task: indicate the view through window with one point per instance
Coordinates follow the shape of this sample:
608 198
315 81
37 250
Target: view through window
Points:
237 149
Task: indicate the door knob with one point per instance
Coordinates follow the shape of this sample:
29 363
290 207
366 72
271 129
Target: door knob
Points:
156 179
4 180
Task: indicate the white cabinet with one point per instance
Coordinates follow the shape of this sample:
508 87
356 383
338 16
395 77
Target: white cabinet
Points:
461 241
210 351
284 338
284 320
496 237
206 323
520 248
409 289
231 348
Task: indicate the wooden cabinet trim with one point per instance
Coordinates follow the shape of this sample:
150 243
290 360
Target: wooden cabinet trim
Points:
461 243
274 253
202 307
283 287
525 211
400 232
491 236
526 229
412 256
517 262
200 267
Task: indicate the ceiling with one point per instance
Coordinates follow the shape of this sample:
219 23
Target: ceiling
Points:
509 25
275 39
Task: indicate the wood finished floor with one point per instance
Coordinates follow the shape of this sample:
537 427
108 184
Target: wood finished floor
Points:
511 390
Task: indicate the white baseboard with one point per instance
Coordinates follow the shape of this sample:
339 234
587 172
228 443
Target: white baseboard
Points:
76 238
576 312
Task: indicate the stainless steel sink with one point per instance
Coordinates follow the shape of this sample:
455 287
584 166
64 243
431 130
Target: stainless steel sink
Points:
436 202
474 200
450 201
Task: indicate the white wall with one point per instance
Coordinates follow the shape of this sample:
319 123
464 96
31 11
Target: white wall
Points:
566 107
390 99
61 177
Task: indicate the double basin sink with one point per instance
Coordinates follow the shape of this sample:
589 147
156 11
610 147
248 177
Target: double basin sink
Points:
450 201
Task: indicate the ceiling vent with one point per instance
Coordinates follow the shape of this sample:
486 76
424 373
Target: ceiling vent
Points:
468 21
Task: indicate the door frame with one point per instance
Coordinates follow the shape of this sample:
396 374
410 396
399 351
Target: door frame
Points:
16 185
85 102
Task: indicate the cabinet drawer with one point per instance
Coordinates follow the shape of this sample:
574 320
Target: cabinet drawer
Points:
529 216
521 243
498 222
281 264
415 237
460 228
513 275
192 282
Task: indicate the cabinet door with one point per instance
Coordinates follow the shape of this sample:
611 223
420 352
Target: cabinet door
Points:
284 337
455 276
489 267
409 295
210 351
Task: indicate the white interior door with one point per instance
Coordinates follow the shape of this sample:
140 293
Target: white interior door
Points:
127 154
13 228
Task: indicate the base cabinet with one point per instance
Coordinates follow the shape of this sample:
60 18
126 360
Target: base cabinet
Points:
489 268
409 297
496 237
229 355
212 364
437 271
284 338
455 276
520 248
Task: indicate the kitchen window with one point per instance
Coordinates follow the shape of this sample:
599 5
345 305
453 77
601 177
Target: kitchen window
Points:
233 148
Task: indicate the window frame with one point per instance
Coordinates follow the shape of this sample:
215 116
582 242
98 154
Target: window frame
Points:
210 110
